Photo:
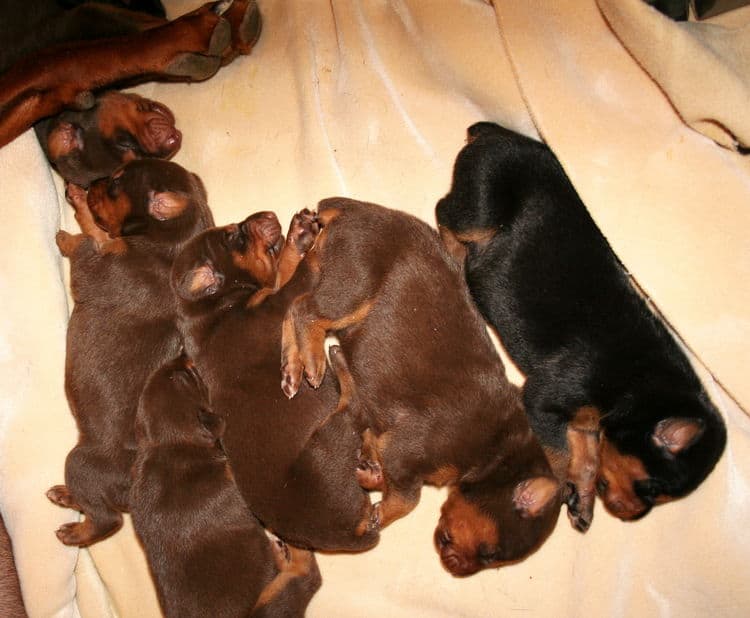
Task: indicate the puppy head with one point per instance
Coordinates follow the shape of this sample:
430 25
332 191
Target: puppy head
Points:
483 525
492 175
152 198
241 256
650 463
174 408
86 145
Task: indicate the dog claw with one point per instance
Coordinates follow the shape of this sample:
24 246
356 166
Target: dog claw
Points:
369 475
289 383
222 7
303 231
580 508
60 495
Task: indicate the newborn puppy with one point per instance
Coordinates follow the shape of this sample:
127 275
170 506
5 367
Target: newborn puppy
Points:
431 390
207 553
122 326
84 146
295 471
596 357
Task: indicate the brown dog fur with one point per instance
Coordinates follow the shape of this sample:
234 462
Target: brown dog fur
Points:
208 554
299 480
11 600
430 387
122 327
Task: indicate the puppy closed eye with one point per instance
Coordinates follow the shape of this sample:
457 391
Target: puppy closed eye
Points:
485 554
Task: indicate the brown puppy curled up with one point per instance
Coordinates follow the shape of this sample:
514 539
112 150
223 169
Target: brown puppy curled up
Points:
296 472
122 326
86 145
431 390
208 554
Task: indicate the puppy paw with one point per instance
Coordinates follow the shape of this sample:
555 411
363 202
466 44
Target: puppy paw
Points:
370 524
281 553
580 508
67 243
369 475
291 376
60 495
75 534
303 231
75 195
315 371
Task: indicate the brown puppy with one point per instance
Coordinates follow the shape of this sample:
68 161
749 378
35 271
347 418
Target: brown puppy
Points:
207 553
84 146
68 55
431 389
299 480
122 326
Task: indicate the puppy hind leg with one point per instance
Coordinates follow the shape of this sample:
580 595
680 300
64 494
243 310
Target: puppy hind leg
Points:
92 486
294 585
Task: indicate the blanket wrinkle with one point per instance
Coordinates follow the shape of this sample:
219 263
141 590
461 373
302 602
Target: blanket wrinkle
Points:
702 67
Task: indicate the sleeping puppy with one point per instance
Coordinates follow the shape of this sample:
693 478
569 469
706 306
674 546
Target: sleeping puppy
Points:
235 284
84 146
608 387
207 553
431 393
122 326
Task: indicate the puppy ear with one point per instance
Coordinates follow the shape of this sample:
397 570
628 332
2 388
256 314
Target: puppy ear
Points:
675 434
212 423
164 205
532 496
199 282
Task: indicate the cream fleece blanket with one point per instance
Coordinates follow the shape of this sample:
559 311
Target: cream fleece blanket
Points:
371 99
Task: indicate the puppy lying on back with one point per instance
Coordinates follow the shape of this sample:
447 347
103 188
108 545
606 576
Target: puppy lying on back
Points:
298 479
122 326
430 389
596 358
207 553
84 146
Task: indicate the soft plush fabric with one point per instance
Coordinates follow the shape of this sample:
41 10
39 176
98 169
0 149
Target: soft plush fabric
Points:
372 99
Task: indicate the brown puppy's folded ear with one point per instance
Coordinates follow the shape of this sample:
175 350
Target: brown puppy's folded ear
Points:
532 496
200 282
675 434
164 205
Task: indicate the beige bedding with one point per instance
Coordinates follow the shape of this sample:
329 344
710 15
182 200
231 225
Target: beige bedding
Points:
371 99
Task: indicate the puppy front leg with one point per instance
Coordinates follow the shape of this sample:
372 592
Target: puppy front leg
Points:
310 327
583 436
77 198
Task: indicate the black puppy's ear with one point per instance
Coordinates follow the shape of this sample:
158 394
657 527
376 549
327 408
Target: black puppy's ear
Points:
164 205
200 282
212 423
532 496
675 434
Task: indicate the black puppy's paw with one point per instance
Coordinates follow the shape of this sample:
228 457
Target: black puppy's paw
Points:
580 508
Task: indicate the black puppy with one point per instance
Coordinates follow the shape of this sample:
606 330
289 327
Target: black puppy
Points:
607 384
